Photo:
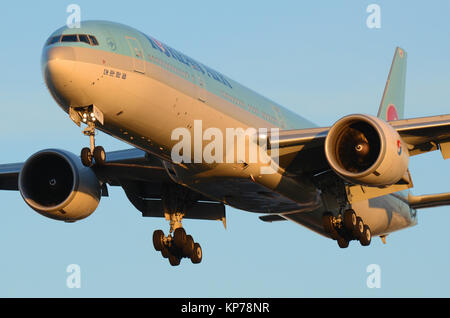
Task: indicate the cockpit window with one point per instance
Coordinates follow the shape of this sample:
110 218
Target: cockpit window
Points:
85 38
93 40
69 38
53 39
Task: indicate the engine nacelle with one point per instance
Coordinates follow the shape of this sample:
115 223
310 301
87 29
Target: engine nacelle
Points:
366 150
55 184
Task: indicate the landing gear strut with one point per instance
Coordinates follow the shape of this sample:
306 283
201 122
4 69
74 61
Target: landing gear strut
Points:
346 227
178 246
97 153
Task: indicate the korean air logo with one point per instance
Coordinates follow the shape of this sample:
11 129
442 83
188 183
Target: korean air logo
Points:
391 112
399 147
160 46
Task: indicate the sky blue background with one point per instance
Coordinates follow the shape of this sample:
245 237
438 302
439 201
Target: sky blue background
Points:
319 59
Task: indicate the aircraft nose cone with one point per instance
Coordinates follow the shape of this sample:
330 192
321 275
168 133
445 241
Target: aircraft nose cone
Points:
58 68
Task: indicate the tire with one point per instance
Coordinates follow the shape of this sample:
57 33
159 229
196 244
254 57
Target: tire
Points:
358 230
349 220
158 239
165 252
327 223
174 260
99 155
197 255
188 246
366 238
343 243
179 237
86 157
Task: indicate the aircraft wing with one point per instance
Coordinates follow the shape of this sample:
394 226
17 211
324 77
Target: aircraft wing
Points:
425 134
127 164
297 147
131 164
142 177
9 174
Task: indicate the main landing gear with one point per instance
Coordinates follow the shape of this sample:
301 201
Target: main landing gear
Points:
178 246
346 227
97 153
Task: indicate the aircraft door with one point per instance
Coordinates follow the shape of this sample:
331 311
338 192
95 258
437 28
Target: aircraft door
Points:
137 54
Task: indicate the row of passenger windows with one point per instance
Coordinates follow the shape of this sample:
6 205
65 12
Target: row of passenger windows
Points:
89 39
168 66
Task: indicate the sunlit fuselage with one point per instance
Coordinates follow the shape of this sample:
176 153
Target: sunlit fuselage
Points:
146 90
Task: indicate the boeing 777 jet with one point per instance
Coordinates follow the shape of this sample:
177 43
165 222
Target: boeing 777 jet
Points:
183 121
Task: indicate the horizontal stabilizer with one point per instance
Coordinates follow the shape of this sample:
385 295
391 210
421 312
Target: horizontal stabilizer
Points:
428 201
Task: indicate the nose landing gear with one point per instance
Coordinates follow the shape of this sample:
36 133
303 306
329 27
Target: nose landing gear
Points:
97 153
347 227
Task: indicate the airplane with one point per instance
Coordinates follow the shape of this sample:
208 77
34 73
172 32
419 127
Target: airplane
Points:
349 181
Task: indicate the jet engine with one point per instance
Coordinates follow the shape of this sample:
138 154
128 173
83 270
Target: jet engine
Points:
55 184
366 150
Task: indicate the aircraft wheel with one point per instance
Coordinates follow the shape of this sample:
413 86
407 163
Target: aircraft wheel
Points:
358 230
99 155
188 246
349 220
158 237
366 238
179 236
174 260
165 252
86 157
327 220
196 254
343 243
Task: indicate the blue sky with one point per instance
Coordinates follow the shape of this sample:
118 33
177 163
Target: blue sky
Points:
318 59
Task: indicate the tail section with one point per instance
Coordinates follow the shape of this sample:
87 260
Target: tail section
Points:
392 105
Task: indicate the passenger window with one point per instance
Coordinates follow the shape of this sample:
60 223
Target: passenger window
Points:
93 40
69 38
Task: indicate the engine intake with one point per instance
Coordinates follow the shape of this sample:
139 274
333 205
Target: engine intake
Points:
55 184
366 150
